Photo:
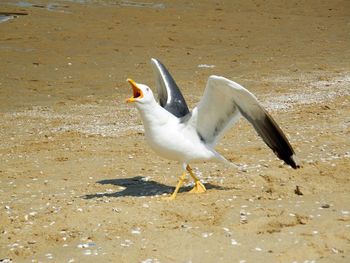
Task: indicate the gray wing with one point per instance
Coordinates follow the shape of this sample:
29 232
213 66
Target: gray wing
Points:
169 94
222 104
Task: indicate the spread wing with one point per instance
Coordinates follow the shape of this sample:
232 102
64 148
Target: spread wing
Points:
169 94
223 102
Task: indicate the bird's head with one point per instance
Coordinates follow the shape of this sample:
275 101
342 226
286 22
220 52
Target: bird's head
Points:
141 93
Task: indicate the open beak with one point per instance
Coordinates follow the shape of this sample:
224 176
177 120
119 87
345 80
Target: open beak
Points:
137 92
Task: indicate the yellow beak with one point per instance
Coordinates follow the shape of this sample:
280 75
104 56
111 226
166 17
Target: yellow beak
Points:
137 92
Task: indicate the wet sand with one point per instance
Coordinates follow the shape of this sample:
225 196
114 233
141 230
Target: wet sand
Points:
80 184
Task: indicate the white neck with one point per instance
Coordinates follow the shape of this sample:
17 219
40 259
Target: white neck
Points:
153 114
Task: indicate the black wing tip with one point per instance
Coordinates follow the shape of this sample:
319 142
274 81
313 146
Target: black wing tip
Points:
277 141
292 161
158 64
155 61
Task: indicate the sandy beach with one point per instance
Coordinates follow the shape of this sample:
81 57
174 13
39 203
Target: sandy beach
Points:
78 180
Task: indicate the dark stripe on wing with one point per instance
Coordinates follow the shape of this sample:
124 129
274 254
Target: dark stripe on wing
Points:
177 104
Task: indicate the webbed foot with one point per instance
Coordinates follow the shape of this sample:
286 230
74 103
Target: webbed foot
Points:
198 188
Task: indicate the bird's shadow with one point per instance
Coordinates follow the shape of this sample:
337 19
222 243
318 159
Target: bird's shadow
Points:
138 186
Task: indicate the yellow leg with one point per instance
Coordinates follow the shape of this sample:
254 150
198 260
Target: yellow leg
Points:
198 186
179 184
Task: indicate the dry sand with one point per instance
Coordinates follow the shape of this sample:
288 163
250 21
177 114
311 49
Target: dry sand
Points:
79 183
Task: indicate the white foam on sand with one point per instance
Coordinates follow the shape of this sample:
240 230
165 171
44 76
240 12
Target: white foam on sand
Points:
85 118
309 89
4 18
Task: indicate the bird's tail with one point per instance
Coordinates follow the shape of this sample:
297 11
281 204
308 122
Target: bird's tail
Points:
222 159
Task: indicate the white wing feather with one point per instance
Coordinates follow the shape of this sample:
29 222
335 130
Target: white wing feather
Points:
223 102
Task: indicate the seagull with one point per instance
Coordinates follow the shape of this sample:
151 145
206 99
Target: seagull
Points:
176 133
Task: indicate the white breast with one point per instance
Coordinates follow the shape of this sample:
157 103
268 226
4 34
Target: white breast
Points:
170 138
